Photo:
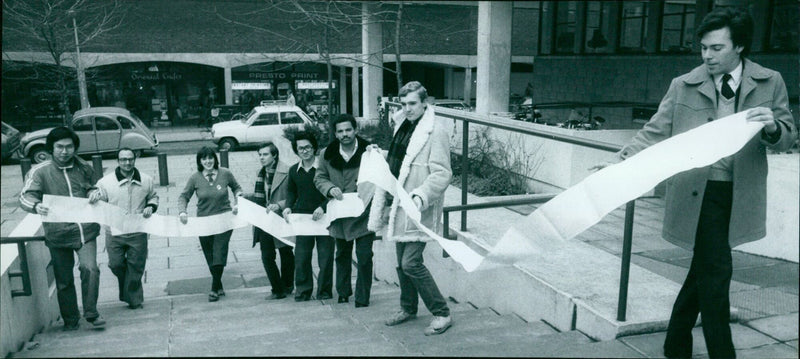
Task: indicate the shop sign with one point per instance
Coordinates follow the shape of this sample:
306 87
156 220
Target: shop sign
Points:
275 75
156 76
315 85
251 86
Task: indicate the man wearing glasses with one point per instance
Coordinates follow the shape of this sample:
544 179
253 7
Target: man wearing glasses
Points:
67 175
134 192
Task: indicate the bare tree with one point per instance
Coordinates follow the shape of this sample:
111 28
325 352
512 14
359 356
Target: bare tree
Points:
58 27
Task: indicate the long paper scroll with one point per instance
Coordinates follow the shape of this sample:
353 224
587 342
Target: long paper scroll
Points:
78 210
583 205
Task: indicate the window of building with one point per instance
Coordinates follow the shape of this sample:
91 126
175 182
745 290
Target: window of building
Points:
677 29
598 27
633 29
785 19
290 118
566 13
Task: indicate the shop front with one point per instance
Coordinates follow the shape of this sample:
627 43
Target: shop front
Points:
160 93
273 81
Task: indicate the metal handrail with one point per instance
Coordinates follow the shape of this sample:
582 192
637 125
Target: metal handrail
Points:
521 127
23 273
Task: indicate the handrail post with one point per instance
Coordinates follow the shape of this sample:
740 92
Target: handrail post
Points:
97 162
223 158
622 303
23 273
25 166
163 171
464 170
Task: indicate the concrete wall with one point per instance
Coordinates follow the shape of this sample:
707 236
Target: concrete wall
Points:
22 317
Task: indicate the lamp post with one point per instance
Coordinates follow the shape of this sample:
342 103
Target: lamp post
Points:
79 66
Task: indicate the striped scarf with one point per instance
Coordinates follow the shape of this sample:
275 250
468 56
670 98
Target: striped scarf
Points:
263 187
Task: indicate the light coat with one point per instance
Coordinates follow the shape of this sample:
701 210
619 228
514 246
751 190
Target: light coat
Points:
424 172
277 195
691 102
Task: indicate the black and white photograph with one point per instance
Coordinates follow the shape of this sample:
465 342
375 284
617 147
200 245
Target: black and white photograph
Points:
317 178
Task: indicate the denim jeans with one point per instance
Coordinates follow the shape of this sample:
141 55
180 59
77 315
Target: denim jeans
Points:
63 262
303 274
126 258
344 267
416 281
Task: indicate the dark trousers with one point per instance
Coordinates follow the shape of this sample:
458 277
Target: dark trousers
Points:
127 255
416 281
304 279
63 261
344 267
706 288
215 249
282 281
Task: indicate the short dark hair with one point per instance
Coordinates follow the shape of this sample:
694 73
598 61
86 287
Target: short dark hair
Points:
58 134
304 135
206 152
127 149
273 150
344 118
414 86
738 20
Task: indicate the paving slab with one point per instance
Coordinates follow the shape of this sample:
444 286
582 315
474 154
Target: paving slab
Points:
781 274
781 327
202 285
770 301
652 344
773 351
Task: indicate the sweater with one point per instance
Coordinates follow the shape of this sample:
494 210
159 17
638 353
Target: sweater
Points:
212 198
301 195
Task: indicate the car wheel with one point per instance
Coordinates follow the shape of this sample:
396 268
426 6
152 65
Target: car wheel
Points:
227 144
39 154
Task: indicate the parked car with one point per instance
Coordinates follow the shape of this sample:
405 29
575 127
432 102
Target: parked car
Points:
454 104
11 139
100 130
264 123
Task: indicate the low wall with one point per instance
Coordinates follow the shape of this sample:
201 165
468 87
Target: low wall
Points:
22 317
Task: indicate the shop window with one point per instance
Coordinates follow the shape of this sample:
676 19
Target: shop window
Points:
266 119
597 26
785 23
566 13
126 123
290 118
677 30
105 124
82 124
633 30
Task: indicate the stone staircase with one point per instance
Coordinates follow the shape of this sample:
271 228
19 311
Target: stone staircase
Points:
244 324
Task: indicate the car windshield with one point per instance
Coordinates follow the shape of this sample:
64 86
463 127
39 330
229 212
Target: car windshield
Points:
137 120
252 112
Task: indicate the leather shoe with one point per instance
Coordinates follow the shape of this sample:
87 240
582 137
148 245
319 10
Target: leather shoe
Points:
213 296
221 292
302 298
344 299
137 306
276 296
439 325
97 322
361 305
69 327
288 290
324 296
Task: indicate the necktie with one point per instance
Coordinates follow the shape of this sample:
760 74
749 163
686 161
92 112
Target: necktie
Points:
210 179
727 91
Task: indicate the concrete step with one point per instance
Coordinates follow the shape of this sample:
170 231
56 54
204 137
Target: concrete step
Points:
244 324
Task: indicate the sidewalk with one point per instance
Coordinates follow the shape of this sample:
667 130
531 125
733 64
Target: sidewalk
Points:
175 320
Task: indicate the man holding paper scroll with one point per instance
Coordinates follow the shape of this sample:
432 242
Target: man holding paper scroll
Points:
338 174
710 210
134 192
419 157
67 175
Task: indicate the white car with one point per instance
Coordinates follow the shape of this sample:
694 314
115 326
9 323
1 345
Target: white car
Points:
263 123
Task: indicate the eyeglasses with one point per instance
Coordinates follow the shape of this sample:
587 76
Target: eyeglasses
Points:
305 148
127 159
64 148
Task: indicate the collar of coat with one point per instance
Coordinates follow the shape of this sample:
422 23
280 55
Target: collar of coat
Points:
122 179
333 156
418 139
751 72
